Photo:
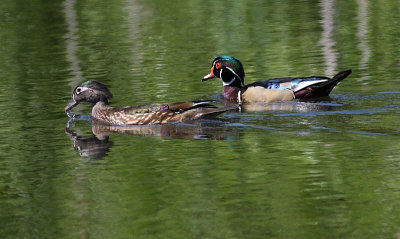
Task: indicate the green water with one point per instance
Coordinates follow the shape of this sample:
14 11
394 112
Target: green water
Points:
324 169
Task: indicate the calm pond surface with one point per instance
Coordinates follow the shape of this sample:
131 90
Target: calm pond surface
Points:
322 169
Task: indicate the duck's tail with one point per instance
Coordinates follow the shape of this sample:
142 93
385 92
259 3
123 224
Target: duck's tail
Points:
322 89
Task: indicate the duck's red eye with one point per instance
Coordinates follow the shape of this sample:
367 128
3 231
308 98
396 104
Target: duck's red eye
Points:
218 65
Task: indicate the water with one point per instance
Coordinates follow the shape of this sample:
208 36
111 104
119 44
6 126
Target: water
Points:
318 169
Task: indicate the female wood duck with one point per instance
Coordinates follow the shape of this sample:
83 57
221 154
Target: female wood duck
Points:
97 94
230 71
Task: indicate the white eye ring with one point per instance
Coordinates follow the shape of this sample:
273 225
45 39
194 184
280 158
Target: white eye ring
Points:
78 90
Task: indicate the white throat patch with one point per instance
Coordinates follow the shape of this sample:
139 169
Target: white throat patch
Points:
228 83
234 78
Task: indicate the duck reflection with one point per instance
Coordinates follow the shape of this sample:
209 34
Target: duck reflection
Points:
292 106
97 145
90 147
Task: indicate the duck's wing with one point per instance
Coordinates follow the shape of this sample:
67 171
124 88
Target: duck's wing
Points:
200 113
194 110
176 107
315 86
180 107
293 83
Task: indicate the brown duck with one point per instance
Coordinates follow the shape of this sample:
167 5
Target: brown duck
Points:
97 94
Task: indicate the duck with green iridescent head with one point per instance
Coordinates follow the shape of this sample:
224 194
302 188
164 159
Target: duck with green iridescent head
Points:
97 94
230 70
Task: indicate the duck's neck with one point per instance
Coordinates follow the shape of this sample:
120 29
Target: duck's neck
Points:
231 93
99 108
101 104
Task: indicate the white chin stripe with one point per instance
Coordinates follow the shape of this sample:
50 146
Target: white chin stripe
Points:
241 80
228 83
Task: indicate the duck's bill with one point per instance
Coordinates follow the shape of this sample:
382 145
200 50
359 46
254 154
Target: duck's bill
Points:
71 105
209 76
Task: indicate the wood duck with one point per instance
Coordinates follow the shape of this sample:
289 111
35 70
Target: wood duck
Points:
97 94
230 71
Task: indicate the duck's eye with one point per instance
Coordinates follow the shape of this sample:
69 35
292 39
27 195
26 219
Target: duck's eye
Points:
218 65
78 90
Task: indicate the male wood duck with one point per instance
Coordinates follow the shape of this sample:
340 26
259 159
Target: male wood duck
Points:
97 94
230 71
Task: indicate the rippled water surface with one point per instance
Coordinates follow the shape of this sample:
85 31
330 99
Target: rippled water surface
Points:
328 168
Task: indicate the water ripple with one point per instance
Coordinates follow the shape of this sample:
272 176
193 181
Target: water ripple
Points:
342 112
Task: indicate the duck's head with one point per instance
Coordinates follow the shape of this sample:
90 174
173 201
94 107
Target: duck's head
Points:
228 69
89 92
